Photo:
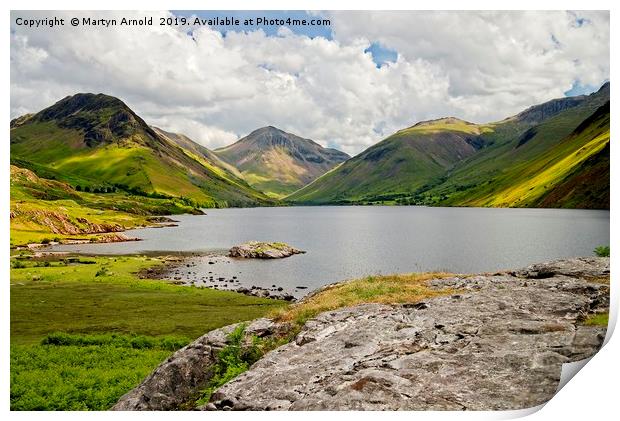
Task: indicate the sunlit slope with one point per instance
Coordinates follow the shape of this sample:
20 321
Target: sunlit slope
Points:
582 155
278 163
97 138
398 165
518 161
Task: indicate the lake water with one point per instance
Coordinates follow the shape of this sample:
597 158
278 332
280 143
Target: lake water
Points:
349 242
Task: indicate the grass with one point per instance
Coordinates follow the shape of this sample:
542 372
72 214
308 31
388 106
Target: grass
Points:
83 373
80 341
598 319
602 251
389 289
74 299
237 357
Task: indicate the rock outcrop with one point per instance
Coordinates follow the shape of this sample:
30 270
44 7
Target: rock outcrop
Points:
186 371
262 250
498 343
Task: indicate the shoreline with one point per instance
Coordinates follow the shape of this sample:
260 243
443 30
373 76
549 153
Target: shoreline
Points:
169 270
116 236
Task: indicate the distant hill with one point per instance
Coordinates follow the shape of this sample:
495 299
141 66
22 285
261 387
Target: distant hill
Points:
277 162
96 141
554 155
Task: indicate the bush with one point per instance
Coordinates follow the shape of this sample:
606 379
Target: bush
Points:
602 251
236 358
17 264
168 343
103 271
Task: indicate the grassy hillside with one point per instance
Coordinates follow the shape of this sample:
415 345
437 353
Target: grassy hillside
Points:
99 140
521 169
278 163
50 210
398 165
536 158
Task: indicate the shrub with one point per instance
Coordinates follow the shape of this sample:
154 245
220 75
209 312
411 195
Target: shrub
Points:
102 271
233 360
83 372
236 358
602 251
17 264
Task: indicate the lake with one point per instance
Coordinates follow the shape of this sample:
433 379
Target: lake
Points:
345 242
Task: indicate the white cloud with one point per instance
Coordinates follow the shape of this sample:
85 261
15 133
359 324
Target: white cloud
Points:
477 66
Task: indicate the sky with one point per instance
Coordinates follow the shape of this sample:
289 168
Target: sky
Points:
346 85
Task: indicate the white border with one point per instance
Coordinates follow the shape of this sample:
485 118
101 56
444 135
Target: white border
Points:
592 394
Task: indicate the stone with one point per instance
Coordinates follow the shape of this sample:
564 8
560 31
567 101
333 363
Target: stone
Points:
496 342
262 250
184 372
468 353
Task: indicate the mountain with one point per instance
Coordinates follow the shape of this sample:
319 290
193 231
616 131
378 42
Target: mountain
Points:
278 163
97 141
402 162
553 154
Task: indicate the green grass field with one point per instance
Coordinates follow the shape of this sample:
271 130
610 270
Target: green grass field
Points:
103 296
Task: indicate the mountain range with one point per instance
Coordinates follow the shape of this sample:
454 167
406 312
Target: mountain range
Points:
97 141
91 151
554 154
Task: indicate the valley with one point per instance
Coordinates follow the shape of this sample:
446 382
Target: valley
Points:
88 174
90 158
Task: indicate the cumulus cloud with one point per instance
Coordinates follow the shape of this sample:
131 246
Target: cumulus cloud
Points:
479 66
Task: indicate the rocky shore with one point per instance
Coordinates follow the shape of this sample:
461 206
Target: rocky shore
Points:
185 270
497 343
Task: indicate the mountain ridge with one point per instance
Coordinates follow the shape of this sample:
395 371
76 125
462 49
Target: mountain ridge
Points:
278 162
412 166
97 138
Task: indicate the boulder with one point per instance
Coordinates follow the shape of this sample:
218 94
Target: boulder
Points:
185 372
495 342
262 250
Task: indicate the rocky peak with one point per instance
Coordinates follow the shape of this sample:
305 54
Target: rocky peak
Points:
101 118
541 112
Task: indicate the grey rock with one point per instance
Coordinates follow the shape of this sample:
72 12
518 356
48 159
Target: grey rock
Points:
496 345
185 372
262 250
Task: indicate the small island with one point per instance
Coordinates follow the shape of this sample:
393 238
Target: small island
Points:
263 250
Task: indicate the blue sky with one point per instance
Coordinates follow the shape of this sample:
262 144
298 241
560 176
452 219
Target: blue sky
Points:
579 89
380 54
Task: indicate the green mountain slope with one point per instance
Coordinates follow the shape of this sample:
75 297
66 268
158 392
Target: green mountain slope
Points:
400 164
98 140
43 208
518 161
278 163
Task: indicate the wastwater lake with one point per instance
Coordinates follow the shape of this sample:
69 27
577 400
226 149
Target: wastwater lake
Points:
344 242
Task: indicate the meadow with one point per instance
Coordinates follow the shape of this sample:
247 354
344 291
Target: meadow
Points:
84 331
